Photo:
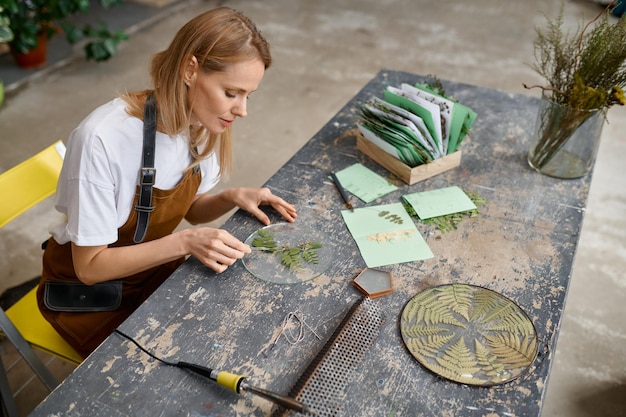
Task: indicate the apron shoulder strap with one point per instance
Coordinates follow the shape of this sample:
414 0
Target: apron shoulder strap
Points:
147 173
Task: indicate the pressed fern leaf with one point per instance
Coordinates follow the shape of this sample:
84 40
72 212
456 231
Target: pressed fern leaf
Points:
411 310
501 310
453 375
435 313
485 301
264 240
428 308
459 361
513 323
311 256
419 330
458 298
512 350
429 345
490 364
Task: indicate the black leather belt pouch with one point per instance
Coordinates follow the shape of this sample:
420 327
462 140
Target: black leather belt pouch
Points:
78 297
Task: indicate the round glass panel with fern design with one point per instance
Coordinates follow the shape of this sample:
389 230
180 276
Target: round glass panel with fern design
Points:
469 334
288 253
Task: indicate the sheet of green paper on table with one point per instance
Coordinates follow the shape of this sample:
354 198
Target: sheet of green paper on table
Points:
364 183
440 202
386 235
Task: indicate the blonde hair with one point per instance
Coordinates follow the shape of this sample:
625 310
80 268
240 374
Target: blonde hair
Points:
217 38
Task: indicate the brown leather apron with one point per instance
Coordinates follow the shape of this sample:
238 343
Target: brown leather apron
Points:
84 331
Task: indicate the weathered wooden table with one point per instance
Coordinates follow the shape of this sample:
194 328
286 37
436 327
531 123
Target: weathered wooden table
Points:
522 245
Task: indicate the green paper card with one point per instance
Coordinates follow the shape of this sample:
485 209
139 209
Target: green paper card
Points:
462 120
364 183
427 111
386 235
443 105
440 202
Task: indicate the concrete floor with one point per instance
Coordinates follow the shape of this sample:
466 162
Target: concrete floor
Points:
324 52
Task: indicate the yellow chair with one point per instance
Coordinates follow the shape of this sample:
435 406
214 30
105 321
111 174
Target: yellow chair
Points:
27 184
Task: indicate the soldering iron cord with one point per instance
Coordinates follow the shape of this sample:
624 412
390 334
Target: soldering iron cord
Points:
228 380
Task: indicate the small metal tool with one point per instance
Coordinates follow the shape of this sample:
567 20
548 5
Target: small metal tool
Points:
342 191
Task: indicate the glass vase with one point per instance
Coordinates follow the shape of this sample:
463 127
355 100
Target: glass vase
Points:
565 141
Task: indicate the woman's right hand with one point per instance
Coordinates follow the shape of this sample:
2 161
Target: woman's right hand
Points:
215 248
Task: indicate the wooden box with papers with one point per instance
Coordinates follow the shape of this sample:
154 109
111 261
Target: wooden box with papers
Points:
414 132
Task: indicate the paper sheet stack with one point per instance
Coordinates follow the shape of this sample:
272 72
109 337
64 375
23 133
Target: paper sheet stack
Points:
415 124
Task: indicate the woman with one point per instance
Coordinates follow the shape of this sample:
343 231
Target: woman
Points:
115 230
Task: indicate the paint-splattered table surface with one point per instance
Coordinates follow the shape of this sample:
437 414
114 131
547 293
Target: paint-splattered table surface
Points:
521 245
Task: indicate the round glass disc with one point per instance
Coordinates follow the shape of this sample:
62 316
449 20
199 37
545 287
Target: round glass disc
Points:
469 334
288 253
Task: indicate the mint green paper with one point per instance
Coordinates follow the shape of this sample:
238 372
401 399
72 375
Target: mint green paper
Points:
428 115
462 120
440 202
364 183
382 241
443 105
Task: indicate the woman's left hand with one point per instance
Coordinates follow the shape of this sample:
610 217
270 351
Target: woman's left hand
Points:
249 199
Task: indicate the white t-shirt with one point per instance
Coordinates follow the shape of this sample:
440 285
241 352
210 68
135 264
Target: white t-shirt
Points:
101 171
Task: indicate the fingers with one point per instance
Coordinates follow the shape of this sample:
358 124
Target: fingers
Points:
216 266
249 199
258 213
218 249
288 211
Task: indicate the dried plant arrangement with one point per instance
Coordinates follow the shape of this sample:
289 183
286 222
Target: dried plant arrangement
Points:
585 71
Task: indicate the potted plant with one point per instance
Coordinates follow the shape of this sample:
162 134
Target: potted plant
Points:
6 35
586 75
34 21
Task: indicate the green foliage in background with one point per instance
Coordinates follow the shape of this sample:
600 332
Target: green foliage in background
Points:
28 19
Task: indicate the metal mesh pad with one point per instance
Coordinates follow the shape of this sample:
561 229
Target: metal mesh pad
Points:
322 386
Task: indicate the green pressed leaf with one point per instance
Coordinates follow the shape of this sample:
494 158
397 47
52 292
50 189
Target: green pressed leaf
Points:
436 314
311 256
291 257
290 261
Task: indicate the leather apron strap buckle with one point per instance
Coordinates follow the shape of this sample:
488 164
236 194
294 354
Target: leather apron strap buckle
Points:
147 173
